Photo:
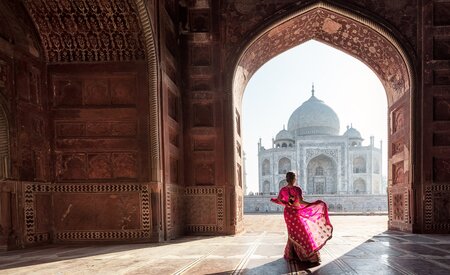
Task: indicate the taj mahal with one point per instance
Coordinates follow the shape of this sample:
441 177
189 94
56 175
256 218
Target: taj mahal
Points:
336 168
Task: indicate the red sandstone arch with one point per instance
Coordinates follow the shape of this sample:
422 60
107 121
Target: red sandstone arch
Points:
375 47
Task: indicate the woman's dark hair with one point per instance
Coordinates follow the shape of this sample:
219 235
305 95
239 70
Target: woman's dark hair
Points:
290 176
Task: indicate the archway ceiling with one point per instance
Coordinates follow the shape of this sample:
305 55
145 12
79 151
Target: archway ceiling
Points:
339 31
88 30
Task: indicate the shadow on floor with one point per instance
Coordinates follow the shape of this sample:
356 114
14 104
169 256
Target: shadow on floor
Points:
387 253
56 252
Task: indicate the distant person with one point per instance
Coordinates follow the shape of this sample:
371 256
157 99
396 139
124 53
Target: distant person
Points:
308 225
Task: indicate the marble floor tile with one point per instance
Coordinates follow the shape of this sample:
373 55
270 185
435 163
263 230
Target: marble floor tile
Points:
360 245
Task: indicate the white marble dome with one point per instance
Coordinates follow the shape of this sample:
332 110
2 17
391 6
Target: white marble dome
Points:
314 117
284 135
352 133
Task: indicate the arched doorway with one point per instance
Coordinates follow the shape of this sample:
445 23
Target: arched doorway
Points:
371 44
322 175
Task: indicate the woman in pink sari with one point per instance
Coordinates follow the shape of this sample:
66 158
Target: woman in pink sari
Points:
308 225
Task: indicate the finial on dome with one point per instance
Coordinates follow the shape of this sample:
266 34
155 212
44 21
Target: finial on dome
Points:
284 126
312 91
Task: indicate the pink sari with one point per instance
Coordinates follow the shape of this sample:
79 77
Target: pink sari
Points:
308 226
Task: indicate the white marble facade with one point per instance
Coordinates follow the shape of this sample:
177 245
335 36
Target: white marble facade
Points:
325 162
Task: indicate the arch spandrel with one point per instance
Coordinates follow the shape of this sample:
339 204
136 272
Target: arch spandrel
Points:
355 36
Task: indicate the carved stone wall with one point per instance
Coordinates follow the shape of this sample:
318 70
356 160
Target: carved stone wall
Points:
205 208
87 212
24 139
88 31
172 115
435 24
99 124
99 121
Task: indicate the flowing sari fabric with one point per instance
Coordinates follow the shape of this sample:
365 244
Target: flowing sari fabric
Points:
308 226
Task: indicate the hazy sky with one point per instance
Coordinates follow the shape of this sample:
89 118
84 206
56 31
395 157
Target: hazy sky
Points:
281 85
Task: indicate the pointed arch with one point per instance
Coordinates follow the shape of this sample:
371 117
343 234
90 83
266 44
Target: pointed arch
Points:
371 43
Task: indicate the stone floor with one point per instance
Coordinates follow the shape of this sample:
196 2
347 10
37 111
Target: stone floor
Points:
360 245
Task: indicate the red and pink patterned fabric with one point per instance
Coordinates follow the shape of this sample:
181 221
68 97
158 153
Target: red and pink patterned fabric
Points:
308 225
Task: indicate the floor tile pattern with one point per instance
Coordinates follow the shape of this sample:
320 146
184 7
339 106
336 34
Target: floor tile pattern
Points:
360 245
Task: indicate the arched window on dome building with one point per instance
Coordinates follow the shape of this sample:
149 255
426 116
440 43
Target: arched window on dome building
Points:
284 145
325 183
284 165
265 167
359 186
359 165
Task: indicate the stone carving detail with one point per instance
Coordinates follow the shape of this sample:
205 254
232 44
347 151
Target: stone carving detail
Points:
71 166
345 33
397 147
88 31
437 208
33 189
30 212
240 208
198 200
441 169
175 210
441 107
125 165
398 120
312 153
100 166
256 12
82 166
95 91
398 173
398 211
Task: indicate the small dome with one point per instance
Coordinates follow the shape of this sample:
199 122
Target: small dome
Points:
352 133
284 134
314 117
